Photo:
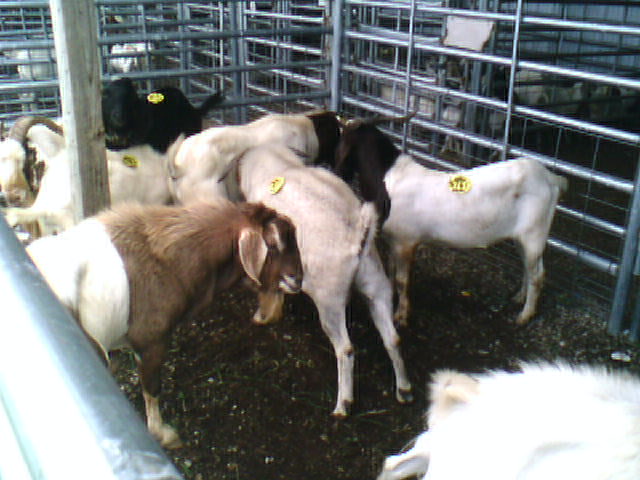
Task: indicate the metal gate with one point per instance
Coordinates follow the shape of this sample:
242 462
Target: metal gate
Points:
487 79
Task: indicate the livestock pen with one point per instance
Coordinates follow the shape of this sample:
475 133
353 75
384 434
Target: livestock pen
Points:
488 80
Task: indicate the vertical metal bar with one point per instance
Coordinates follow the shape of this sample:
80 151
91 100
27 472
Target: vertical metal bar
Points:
237 54
336 54
407 88
185 57
512 80
625 268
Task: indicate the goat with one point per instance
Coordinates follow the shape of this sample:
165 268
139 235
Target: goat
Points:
33 64
127 57
206 157
335 234
129 275
135 174
157 119
547 422
17 173
475 208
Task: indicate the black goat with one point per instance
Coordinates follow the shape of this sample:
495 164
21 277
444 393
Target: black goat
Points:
157 119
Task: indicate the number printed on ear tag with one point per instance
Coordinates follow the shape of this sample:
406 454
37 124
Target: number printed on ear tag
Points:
459 184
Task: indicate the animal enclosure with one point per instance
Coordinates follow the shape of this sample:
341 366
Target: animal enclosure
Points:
488 80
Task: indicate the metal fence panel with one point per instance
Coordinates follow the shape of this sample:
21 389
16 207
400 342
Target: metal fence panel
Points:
572 100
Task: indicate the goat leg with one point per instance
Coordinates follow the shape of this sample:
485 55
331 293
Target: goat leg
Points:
149 364
376 287
402 255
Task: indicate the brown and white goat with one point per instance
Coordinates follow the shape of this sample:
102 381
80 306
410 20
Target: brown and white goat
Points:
514 199
129 275
547 422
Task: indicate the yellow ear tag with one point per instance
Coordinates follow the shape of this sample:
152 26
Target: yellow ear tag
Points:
155 97
459 184
276 185
130 161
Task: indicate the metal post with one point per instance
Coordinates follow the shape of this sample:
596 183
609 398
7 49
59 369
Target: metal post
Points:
407 89
237 53
512 80
625 269
336 54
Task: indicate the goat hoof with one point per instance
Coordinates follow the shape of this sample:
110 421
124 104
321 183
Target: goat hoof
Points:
523 319
259 319
169 438
342 411
400 320
404 395
519 297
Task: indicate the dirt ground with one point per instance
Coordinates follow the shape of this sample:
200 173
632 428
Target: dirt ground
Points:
254 402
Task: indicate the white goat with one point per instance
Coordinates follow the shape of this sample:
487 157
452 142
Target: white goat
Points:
135 174
475 208
128 57
33 64
335 235
548 422
205 157
13 159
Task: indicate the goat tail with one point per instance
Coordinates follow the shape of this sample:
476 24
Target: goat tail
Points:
562 183
368 222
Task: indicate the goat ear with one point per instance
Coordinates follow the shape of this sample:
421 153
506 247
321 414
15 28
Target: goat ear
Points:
453 387
253 253
47 142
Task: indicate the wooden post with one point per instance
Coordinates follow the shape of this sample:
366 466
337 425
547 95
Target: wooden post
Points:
76 41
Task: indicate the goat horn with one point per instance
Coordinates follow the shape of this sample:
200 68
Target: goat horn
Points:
22 125
357 122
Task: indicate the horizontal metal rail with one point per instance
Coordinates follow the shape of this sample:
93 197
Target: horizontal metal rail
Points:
505 17
418 81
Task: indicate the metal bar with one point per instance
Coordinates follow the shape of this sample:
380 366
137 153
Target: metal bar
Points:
375 34
283 16
530 20
88 428
610 132
238 59
407 90
629 252
512 80
336 55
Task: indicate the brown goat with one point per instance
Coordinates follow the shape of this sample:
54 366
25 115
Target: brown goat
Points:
129 275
